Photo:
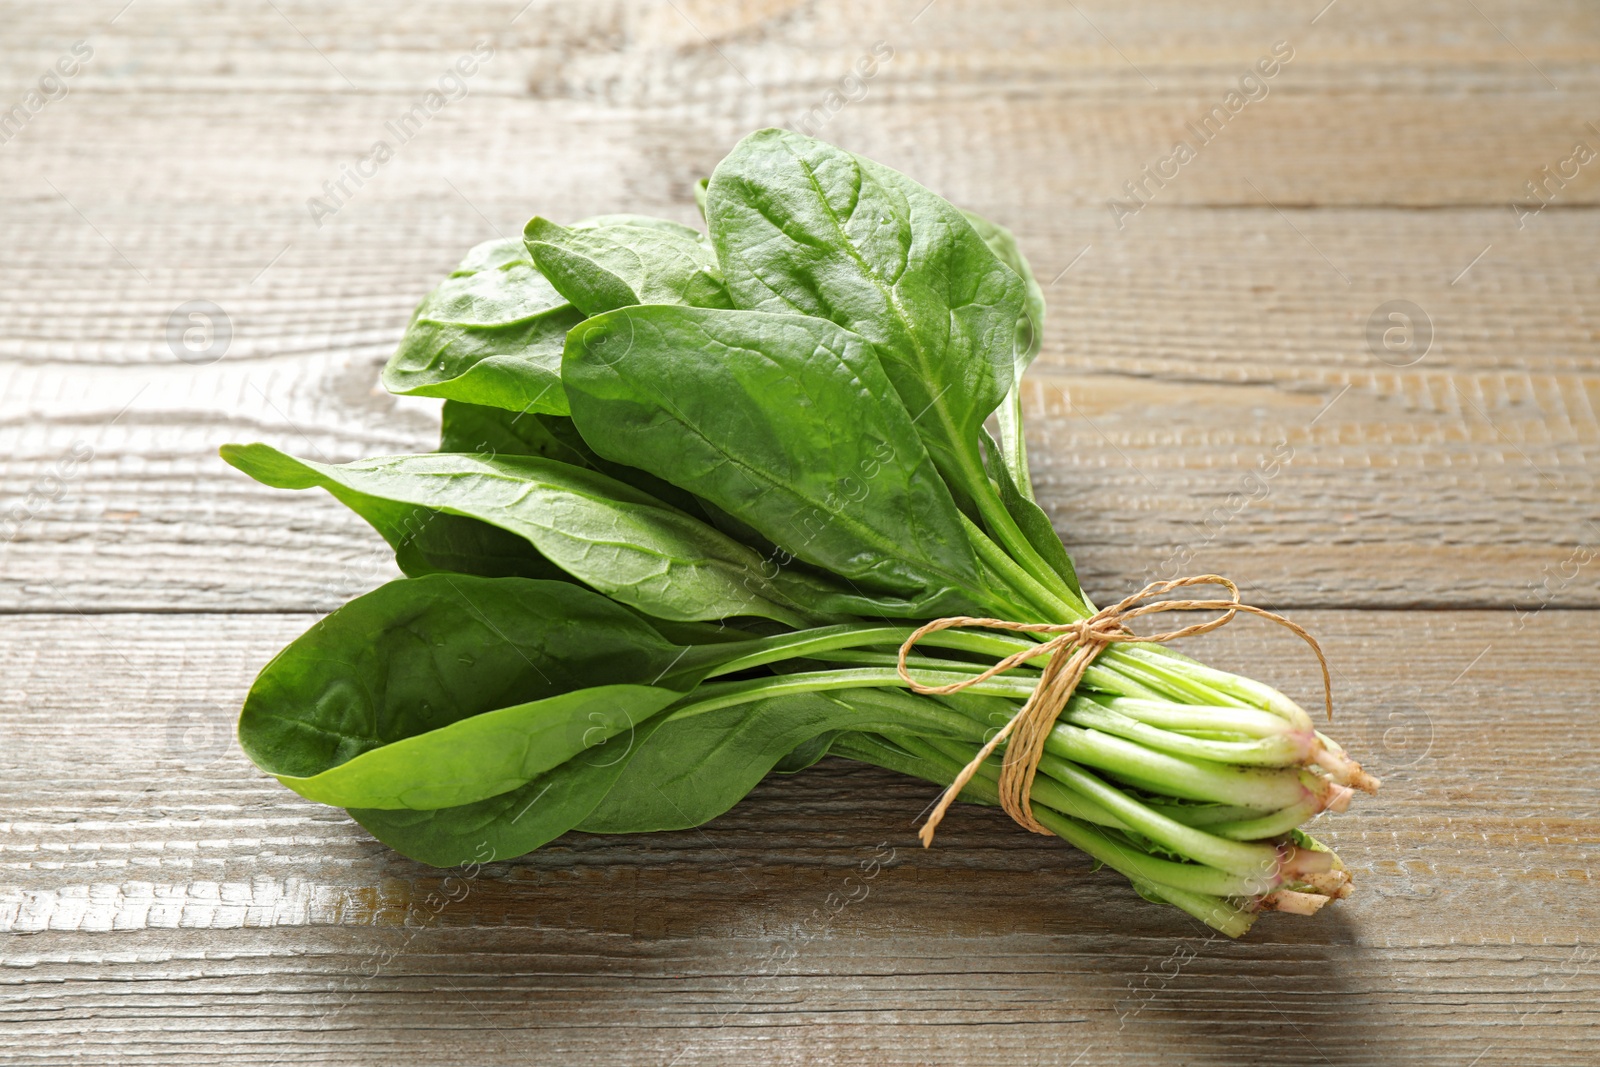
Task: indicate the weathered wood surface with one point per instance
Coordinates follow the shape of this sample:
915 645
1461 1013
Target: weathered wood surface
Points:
180 905
1181 349
1175 363
162 902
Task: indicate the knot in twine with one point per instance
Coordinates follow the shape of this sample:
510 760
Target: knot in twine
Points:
1072 650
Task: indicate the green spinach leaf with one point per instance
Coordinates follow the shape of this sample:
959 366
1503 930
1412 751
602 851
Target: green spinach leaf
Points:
787 421
490 334
617 260
802 226
484 755
433 542
425 539
496 431
419 654
512 823
605 534
1029 339
695 767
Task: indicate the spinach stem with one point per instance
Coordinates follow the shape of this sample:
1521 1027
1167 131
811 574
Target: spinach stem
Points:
714 695
802 644
1263 788
930 714
1203 892
1258 862
1045 605
1272 824
1177 776
1284 750
1010 535
1196 720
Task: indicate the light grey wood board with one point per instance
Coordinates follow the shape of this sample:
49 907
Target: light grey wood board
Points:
165 899
642 52
277 149
1460 480
1463 479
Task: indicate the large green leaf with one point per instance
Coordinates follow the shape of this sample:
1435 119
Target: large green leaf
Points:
441 542
665 773
515 822
419 654
607 535
1029 339
802 226
695 767
485 755
617 260
1030 325
785 421
497 432
491 333
425 539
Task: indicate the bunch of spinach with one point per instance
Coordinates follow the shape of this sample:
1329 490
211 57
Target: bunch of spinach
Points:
692 492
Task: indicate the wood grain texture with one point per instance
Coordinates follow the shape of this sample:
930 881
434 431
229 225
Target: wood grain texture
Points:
161 901
1186 341
172 903
1178 357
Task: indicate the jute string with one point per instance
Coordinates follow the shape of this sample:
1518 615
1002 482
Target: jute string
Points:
1072 650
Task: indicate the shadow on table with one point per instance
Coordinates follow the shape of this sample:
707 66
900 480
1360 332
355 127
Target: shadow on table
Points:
812 902
1289 991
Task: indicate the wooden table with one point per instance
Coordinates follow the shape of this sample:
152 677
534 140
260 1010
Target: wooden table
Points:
1433 516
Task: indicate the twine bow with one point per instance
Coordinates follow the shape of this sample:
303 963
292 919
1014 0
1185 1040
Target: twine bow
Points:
1072 650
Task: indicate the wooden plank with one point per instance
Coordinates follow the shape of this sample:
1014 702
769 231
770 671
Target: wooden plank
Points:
164 902
1040 151
648 50
1179 360
1061 106
161 901
1460 480
1398 495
